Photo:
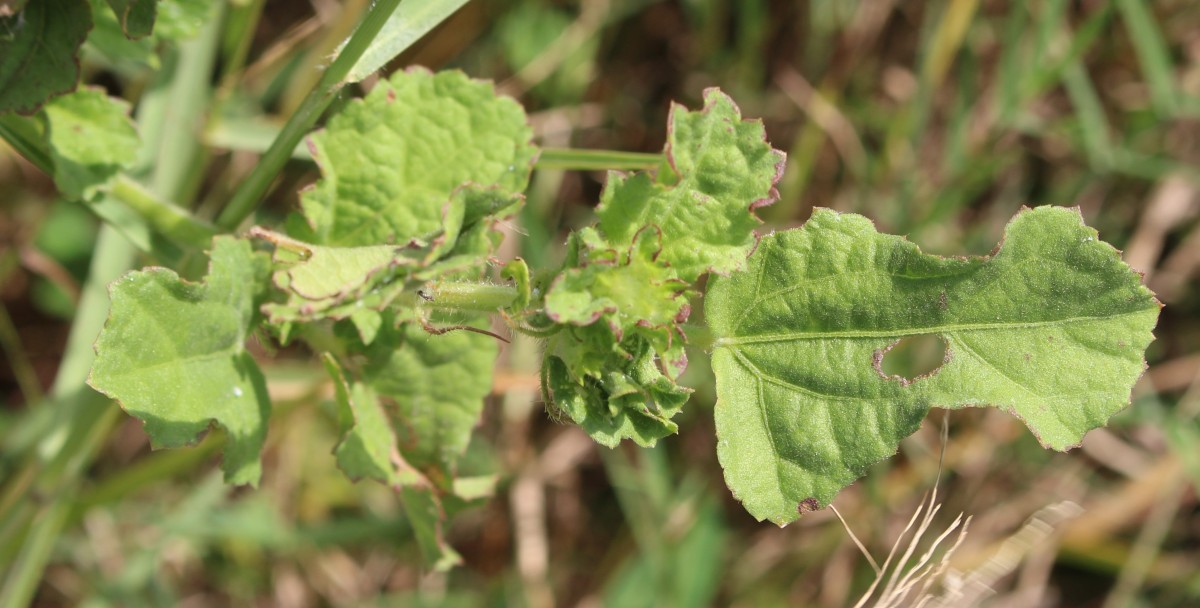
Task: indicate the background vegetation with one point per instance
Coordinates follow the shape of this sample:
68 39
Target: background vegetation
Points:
937 119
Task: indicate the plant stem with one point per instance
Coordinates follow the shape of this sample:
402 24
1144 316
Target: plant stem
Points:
596 160
480 297
169 220
246 198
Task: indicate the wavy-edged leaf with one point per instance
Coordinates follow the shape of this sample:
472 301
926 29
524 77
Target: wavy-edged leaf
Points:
173 354
391 162
91 139
628 288
432 388
719 169
1052 328
39 50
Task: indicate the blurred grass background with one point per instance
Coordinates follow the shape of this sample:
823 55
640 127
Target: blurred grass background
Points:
938 119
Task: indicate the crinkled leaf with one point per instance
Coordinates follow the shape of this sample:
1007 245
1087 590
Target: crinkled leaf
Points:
1052 328
408 24
173 354
719 168
612 391
629 288
334 282
91 139
432 388
367 447
391 162
135 16
39 50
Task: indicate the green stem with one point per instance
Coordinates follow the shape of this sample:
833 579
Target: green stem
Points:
246 198
23 579
596 160
475 297
169 220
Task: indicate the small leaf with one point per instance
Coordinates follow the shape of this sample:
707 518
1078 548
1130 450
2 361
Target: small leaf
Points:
91 139
367 447
39 50
1052 328
173 354
719 169
391 162
628 288
334 282
612 391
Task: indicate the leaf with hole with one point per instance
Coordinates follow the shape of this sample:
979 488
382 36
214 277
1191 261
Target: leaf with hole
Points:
1052 328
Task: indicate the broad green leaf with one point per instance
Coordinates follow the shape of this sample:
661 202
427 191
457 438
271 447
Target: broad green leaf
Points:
392 162
173 354
432 388
1052 328
412 20
39 50
91 139
367 447
135 16
719 168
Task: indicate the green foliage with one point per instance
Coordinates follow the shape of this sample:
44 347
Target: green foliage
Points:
382 273
38 53
1051 328
174 355
389 272
718 169
420 151
91 140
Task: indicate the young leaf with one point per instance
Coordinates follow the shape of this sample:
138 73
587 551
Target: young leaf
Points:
628 288
719 169
173 354
391 162
91 139
1052 328
39 50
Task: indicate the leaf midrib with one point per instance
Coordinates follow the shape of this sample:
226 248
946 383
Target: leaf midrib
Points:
900 332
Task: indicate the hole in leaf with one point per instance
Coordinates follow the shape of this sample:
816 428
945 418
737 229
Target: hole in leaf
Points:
912 358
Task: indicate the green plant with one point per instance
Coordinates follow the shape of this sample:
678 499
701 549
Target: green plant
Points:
389 271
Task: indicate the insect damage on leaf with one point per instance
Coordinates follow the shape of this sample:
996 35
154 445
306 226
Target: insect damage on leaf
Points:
1052 328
